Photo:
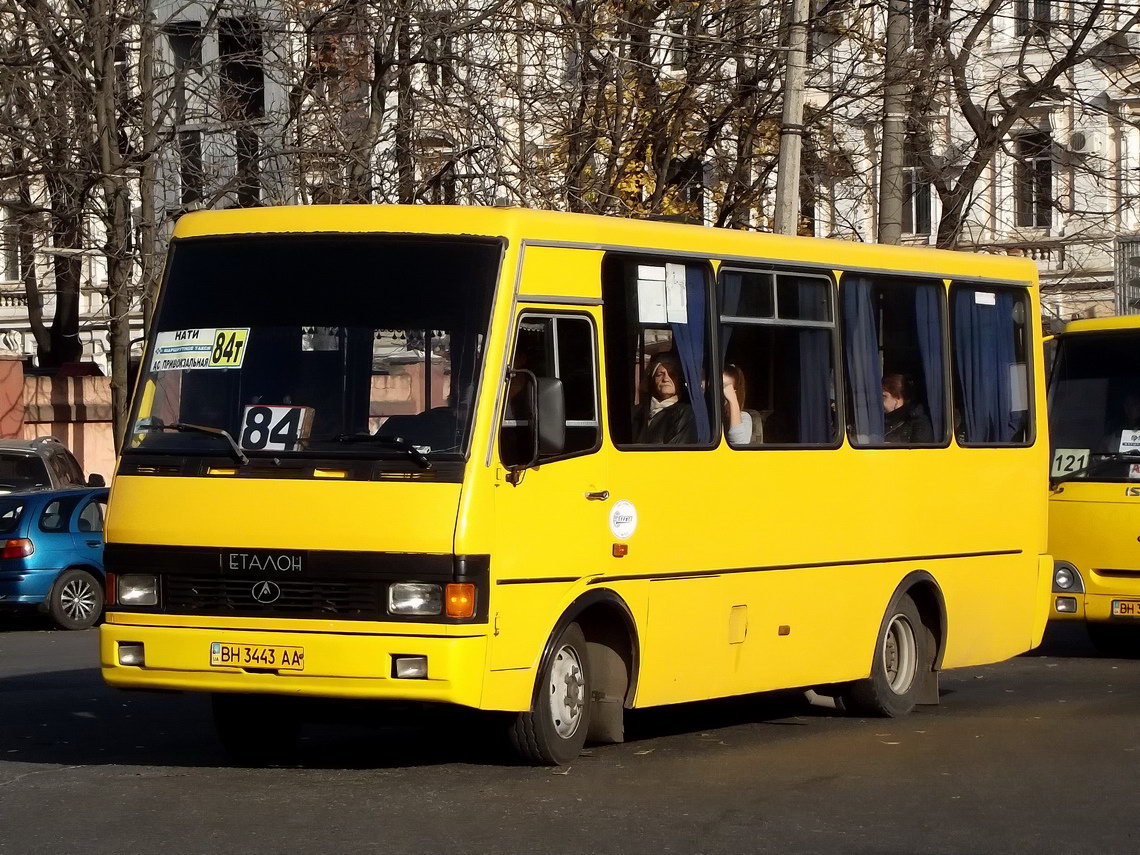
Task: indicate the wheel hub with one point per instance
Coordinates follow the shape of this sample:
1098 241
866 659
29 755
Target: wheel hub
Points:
567 691
77 599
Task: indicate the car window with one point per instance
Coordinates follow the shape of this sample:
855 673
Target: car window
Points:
22 472
74 470
10 512
56 514
63 474
91 517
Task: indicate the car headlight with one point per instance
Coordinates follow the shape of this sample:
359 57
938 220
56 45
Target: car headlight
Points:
1066 577
414 598
138 589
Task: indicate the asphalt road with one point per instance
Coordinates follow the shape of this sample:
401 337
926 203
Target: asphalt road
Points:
1041 753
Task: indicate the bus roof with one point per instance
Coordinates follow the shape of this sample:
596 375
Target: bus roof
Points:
1121 322
598 232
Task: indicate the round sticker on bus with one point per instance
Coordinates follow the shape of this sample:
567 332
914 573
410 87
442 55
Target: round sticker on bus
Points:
623 520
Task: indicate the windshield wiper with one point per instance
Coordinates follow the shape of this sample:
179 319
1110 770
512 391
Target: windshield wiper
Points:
183 427
1094 465
397 442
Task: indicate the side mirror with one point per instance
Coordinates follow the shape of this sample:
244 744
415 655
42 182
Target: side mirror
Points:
551 416
539 426
96 480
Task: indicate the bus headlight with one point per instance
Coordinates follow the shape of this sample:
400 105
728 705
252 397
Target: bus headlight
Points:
414 598
138 589
1066 577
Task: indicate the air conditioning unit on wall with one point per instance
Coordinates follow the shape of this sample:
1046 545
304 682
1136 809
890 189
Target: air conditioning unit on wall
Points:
1085 141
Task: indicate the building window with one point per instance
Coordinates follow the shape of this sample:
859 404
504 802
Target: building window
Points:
242 74
9 245
1033 17
440 50
919 22
1033 180
916 198
185 40
190 166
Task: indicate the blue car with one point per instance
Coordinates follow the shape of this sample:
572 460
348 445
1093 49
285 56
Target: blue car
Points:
51 554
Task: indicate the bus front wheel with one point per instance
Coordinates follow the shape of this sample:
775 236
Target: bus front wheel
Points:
256 730
902 650
553 731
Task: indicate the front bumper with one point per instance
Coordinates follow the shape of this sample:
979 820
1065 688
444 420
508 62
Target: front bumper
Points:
337 665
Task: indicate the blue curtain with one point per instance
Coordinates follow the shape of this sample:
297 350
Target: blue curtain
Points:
984 350
1008 420
815 385
864 364
729 306
928 323
689 343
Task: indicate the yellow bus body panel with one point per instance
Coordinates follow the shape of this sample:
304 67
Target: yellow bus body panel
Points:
748 570
1095 527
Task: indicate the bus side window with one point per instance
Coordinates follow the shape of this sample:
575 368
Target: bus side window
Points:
990 349
559 346
894 356
660 386
777 335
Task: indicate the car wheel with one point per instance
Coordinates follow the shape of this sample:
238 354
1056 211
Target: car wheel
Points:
76 600
901 653
554 731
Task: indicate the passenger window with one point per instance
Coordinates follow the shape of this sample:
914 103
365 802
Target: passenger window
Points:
657 352
990 337
56 514
778 378
893 353
561 347
91 517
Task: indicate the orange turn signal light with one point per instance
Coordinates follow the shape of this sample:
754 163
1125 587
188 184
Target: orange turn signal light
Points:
459 600
620 550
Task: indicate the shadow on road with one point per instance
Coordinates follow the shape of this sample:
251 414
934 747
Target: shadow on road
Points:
72 718
1065 639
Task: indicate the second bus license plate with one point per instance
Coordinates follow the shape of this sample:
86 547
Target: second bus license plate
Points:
1126 608
257 656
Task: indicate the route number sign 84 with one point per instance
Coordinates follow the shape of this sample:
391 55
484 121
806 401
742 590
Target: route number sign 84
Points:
228 349
265 428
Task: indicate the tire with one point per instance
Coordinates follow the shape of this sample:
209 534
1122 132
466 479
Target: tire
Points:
75 600
902 651
1115 641
256 730
553 732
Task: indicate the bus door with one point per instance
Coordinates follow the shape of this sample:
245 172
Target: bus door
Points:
551 508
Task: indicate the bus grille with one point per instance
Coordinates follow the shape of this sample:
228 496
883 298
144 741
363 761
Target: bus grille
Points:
359 599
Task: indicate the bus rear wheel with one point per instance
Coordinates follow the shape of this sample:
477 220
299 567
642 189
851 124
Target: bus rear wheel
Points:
1115 641
901 653
256 730
553 731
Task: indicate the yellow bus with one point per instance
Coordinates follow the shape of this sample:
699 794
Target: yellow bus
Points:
1094 417
559 466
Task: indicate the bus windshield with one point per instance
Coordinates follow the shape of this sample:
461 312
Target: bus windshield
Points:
316 345
1094 407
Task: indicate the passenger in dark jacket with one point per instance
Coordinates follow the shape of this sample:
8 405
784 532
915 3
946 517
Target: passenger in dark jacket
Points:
665 417
907 422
